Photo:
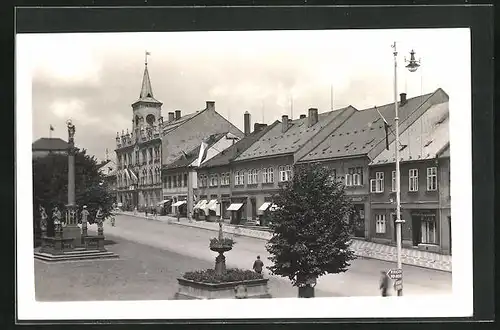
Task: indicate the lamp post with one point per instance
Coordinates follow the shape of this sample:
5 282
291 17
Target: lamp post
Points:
412 67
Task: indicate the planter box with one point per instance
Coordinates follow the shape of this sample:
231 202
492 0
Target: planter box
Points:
250 289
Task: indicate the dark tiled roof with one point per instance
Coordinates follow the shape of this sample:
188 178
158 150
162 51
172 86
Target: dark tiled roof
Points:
423 139
275 142
363 130
239 147
49 144
193 154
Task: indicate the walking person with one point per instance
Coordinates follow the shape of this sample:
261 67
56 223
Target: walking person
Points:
384 283
258 265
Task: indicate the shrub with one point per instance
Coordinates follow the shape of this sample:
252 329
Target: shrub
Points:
215 242
231 275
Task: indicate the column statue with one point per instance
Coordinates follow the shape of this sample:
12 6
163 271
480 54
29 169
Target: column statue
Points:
43 221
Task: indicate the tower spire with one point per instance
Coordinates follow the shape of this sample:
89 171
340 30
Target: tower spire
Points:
146 90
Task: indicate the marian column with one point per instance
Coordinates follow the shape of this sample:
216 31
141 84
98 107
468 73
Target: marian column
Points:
71 230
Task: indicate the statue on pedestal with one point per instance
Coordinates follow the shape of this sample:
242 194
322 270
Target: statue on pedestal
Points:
99 220
56 217
71 132
43 221
85 215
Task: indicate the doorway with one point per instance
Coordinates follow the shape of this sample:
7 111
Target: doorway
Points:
416 229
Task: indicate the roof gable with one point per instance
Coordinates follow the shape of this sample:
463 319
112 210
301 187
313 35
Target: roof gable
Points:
424 139
188 158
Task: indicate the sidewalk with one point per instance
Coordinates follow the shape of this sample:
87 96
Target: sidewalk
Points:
363 249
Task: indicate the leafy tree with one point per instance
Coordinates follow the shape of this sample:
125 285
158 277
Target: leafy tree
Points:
50 185
311 229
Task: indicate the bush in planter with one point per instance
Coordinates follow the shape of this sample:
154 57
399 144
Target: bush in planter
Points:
225 241
231 275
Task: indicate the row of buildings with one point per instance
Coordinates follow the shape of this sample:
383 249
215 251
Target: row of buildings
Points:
200 165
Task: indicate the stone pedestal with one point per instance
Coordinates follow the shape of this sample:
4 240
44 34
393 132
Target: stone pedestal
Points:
73 232
250 289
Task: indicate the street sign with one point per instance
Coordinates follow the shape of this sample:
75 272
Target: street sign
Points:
398 284
395 274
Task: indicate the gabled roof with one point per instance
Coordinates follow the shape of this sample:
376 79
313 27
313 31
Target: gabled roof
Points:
275 142
424 139
170 126
239 147
364 130
108 168
49 144
192 155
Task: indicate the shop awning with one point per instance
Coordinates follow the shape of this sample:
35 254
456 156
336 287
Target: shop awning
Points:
235 206
164 201
119 204
179 203
200 204
212 205
264 206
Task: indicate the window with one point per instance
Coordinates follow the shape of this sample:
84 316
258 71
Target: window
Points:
137 157
224 181
264 175
377 184
175 181
270 175
282 173
239 178
428 229
357 178
333 175
185 179
432 178
254 175
413 184
380 223
348 178
214 180
393 181
285 173
288 170
250 178
169 182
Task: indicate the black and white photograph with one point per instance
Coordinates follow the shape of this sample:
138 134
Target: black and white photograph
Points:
245 174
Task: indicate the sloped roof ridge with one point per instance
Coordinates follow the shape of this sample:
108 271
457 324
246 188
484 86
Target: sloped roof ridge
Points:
428 97
184 122
340 112
257 135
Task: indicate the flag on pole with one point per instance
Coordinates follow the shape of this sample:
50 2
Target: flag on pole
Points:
386 127
203 152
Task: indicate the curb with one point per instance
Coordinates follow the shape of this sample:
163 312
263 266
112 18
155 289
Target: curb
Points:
238 231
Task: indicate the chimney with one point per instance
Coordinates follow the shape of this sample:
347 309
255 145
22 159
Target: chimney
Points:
171 117
403 98
211 105
284 123
258 127
313 116
177 114
246 122
302 116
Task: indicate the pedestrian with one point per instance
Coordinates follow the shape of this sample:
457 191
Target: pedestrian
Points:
257 265
99 217
146 211
384 283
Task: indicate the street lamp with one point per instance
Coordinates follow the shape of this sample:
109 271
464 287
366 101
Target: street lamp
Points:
412 66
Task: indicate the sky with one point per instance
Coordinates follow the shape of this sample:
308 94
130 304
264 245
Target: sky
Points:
94 78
